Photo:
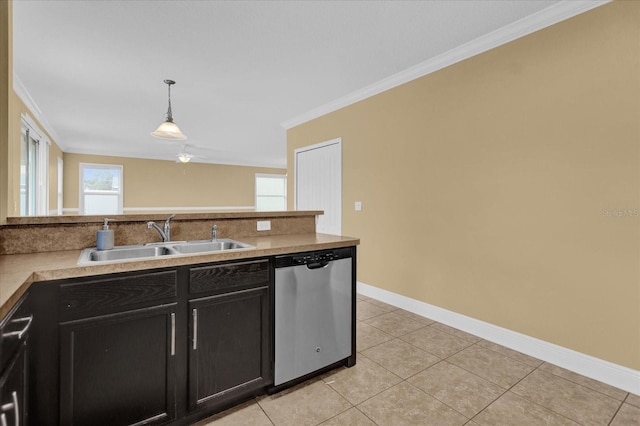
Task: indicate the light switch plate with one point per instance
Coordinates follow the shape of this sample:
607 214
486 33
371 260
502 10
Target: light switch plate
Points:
264 225
358 206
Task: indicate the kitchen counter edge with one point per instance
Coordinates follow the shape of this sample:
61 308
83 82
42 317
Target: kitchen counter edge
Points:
19 271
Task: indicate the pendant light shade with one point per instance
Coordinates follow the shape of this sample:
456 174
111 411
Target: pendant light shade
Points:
168 129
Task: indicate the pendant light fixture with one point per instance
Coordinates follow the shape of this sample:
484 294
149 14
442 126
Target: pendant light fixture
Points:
168 129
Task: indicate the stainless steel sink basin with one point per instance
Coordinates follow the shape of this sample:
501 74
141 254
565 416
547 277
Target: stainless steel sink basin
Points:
193 247
93 255
123 253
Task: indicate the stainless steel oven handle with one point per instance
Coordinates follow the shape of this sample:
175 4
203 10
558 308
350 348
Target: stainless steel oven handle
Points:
16 409
20 333
11 406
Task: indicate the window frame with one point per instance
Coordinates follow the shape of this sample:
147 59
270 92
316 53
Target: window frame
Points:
270 175
60 187
81 202
29 131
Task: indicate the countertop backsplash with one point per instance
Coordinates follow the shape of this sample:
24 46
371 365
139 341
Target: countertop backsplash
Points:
55 233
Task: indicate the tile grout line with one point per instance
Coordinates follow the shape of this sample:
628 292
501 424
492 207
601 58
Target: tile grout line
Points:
474 374
585 386
530 400
440 360
621 403
340 413
265 413
509 356
513 358
476 343
372 396
386 332
507 389
616 413
435 397
365 414
505 392
495 352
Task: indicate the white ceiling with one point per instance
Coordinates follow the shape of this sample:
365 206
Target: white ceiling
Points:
95 69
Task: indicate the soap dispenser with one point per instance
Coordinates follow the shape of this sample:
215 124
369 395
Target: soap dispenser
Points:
105 236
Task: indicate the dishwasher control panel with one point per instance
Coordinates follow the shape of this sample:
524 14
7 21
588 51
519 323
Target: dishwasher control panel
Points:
313 257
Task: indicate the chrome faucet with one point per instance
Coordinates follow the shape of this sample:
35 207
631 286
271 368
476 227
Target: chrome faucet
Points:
164 233
214 233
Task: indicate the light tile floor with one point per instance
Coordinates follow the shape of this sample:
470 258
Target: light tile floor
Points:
414 371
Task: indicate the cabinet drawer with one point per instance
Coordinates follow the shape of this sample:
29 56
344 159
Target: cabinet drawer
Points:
113 293
227 277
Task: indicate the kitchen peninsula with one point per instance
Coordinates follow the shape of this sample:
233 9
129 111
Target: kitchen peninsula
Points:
169 309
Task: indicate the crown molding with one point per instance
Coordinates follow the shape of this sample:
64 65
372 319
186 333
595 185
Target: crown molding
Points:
24 95
172 158
551 15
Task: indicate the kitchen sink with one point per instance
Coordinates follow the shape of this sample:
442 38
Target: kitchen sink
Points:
193 247
123 253
148 251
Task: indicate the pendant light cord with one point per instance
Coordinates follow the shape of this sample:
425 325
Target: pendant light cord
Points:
169 115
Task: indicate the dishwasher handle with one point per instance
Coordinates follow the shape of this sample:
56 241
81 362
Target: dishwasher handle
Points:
317 265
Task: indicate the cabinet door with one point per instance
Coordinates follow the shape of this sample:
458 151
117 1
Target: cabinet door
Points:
230 346
13 390
119 369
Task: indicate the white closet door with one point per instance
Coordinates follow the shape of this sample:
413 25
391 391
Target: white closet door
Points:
318 183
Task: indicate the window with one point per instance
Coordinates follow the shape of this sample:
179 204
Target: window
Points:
34 174
100 189
271 192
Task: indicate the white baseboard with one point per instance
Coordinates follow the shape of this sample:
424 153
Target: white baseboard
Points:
607 372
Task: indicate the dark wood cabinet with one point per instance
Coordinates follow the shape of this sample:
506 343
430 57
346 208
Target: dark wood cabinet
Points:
230 346
165 346
119 369
14 365
117 338
14 390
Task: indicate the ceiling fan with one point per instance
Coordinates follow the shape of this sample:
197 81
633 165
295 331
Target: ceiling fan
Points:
183 156
190 152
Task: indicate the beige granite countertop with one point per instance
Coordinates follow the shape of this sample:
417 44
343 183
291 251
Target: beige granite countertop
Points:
18 271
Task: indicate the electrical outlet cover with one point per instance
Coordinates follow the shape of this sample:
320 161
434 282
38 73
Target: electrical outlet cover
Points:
264 225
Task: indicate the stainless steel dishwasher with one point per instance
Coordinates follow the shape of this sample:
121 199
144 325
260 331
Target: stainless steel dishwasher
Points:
314 312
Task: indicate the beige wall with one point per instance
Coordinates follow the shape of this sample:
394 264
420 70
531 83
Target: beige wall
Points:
6 82
158 183
484 185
